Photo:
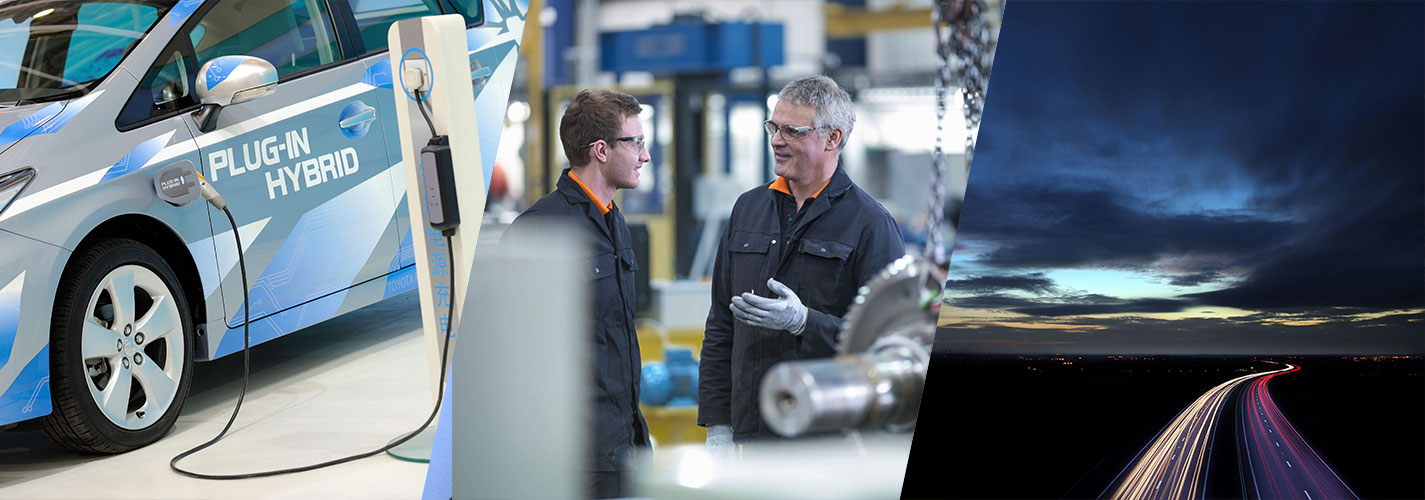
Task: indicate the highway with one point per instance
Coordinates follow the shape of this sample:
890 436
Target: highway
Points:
1174 464
1279 463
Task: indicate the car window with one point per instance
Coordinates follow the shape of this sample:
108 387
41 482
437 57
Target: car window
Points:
167 87
293 35
374 17
108 29
473 10
53 50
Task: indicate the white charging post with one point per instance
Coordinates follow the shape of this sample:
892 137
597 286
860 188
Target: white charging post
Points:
430 55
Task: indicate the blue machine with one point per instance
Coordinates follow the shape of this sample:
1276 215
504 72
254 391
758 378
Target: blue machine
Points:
674 383
691 45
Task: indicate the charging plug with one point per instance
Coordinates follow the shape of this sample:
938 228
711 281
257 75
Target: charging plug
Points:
211 194
414 76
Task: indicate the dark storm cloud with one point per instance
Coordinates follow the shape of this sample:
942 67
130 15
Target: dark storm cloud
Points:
1042 226
1257 82
1106 124
1118 307
1195 279
1374 260
1033 282
1365 185
996 302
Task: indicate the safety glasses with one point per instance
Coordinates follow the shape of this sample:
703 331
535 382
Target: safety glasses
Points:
637 141
789 132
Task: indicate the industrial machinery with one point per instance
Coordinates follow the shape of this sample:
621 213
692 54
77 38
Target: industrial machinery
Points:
875 380
884 351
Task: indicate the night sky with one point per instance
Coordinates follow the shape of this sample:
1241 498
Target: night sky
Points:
1197 178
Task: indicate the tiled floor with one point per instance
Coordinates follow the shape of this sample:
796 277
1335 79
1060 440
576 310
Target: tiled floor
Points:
346 386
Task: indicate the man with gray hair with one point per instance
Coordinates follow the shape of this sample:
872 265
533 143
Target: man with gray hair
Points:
790 262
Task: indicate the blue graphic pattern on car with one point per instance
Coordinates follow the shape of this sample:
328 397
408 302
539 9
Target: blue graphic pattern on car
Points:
28 124
28 396
219 69
282 323
138 157
379 74
69 112
9 317
181 11
322 252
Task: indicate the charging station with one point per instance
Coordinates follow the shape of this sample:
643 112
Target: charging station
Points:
440 156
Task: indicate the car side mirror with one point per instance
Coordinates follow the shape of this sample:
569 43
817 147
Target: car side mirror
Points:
229 80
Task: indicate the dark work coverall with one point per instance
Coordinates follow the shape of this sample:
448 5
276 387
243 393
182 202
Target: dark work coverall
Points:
618 425
838 241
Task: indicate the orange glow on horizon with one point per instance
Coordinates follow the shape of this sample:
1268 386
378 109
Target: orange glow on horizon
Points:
1048 326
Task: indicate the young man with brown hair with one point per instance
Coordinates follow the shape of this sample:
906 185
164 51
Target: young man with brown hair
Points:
603 140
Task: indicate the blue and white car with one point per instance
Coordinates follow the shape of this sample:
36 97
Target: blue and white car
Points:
109 294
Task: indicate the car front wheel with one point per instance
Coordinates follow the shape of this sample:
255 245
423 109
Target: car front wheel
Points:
121 356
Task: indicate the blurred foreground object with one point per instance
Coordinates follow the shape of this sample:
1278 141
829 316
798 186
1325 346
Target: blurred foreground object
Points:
809 469
523 436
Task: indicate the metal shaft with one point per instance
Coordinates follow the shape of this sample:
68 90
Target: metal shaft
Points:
848 392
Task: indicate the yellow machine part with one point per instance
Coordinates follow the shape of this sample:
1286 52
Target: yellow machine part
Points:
671 425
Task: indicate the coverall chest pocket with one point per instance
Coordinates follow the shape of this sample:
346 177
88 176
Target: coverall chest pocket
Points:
603 287
601 266
628 265
821 263
626 258
749 253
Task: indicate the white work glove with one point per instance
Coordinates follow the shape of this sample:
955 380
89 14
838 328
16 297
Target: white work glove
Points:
785 312
720 441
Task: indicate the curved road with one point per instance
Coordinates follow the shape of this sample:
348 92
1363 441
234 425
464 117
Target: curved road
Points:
1279 464
1174 464
1275 462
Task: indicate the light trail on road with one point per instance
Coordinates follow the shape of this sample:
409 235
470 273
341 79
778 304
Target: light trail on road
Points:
1278 462
1174 464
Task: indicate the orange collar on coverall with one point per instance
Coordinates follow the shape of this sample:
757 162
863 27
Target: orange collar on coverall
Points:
603 209
780 185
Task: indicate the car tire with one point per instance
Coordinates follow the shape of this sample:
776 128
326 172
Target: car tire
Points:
121 349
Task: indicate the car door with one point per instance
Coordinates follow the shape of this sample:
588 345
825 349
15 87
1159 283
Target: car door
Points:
305 170
155 119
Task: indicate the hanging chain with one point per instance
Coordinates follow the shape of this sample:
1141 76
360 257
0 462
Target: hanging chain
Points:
962 33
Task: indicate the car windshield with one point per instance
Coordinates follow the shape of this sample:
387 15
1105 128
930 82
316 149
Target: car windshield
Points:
53 49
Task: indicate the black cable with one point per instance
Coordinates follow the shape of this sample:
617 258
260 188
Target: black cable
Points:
421 106
246 344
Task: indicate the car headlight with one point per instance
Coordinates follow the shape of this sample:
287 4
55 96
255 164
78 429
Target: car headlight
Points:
12 183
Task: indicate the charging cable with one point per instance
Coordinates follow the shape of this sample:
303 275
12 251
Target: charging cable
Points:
422 106
217 201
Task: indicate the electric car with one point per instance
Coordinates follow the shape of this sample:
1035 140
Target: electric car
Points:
108 294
